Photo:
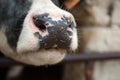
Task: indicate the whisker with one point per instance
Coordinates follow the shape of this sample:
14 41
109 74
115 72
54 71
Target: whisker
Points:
62 6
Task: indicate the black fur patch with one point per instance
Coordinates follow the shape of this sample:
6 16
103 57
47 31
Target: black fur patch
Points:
12 15
57 2
60 4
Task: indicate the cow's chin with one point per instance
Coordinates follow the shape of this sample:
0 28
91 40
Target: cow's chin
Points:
41 57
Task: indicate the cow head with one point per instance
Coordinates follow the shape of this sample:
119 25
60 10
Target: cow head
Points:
36 32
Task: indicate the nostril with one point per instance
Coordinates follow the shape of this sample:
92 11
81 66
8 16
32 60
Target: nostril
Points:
39 24
71 25
69 33
70 28
68 20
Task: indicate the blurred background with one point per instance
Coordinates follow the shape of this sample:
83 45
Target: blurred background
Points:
98 25
99 31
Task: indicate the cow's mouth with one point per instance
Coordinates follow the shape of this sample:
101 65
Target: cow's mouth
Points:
45 51
41 57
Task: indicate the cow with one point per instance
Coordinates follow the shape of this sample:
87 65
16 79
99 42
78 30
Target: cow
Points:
37 32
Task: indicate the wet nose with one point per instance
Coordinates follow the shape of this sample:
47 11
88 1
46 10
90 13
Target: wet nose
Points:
59 31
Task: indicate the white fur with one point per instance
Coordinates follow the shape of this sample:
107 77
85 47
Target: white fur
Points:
74 43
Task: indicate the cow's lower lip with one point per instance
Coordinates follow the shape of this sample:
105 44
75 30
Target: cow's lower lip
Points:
41 57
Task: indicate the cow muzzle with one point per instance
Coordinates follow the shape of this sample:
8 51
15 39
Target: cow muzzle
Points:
53 32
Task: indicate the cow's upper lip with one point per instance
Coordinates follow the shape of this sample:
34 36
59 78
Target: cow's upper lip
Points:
44 50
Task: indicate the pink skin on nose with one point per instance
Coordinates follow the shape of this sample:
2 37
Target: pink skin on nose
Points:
35 29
